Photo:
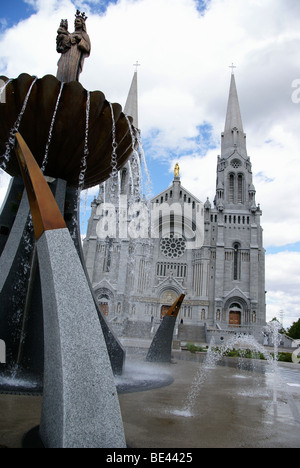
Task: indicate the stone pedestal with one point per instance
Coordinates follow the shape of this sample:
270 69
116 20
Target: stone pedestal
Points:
80 402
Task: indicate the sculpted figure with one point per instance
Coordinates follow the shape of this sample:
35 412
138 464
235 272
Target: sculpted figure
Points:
74 48
63 40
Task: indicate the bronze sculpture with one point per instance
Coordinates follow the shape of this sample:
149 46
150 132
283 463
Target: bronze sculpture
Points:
63 39
73 47
67 142
161 347
44 210
72 133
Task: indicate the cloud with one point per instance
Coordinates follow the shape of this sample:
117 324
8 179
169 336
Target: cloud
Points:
184 55
282 284
29 46
183 83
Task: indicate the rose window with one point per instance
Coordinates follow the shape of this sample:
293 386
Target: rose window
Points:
172 247
236 163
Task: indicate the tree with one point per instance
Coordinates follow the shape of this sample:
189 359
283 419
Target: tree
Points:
294 330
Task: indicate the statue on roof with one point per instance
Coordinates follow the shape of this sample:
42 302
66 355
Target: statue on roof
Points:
176 170
73 47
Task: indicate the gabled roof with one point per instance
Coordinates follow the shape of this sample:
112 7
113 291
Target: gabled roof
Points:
184 192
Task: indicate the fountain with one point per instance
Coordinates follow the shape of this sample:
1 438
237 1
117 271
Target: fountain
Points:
72 332
215 355
78 139
69 108
217 401
69 163
45 160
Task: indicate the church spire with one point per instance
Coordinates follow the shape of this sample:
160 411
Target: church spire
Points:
234 187
131 106
233 138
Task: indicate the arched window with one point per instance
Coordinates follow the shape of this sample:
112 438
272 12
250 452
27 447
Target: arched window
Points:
236 261
240 193
236 188
231 188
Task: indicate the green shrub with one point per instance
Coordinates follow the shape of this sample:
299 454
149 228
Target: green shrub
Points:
285 357
240 353
193 348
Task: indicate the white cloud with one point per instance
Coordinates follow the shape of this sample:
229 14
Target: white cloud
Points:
198 175
282 284
29 47
276 165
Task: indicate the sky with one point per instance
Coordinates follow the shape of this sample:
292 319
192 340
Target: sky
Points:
185 49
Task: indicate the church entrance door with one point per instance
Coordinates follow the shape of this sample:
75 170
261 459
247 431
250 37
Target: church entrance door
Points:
104 307
234 318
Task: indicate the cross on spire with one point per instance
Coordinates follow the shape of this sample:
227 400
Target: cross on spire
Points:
137 64
232 68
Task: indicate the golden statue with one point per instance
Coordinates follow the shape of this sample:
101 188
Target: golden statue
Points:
176 170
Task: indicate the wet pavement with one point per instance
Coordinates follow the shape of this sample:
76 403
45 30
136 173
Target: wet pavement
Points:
232 407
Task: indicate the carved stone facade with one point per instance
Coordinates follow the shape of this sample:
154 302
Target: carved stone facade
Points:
223 276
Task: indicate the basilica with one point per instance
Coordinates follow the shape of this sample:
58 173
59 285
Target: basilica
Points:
211 251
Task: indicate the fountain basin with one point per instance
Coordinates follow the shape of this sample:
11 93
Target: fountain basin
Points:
141 376
136 377
233 410
21 382
67 145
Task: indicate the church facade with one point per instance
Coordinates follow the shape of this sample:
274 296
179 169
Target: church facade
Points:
212 252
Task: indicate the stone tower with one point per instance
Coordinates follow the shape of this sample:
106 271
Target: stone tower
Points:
106 258
233 235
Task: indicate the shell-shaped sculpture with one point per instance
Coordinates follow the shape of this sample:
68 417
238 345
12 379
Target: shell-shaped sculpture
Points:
58 122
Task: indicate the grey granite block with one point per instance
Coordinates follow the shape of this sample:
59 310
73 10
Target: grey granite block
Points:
80 402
